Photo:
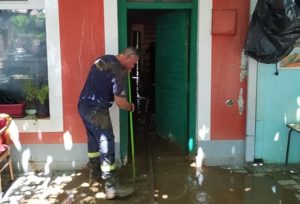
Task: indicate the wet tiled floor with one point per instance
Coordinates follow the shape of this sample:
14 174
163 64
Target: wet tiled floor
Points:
177 181
174 180
165 177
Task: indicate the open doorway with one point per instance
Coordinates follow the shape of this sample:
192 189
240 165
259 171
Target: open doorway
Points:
160 81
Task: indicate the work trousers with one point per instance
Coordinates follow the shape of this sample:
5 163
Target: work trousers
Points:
100 137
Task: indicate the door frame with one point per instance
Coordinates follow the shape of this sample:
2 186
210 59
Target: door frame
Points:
192 7
251 103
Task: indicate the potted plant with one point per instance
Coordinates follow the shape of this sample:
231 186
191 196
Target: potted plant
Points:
11 106
39 95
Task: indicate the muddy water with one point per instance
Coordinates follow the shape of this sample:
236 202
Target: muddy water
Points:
175 184
176 181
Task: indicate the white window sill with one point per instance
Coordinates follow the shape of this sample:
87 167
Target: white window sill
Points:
30 123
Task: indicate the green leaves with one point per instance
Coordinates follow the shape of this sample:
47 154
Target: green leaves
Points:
33 92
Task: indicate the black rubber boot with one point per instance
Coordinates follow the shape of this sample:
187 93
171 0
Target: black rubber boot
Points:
95 172
114 190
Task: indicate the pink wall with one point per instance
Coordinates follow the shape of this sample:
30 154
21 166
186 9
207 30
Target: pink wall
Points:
82 40
226 122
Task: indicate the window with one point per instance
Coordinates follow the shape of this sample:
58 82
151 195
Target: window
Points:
30 50
23 51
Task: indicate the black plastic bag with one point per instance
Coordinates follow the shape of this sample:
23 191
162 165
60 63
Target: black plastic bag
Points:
273 30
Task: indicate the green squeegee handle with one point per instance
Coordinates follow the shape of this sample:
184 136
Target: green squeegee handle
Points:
131 127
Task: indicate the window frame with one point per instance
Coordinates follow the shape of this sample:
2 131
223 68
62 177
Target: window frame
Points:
55 122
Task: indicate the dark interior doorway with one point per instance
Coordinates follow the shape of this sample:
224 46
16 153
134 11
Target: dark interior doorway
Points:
159 83
142 34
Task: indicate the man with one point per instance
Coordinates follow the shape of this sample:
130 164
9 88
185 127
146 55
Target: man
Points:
105 84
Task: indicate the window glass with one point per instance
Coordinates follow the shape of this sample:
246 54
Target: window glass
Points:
23 52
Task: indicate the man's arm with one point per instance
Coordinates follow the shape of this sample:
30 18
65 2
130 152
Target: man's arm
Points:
124 104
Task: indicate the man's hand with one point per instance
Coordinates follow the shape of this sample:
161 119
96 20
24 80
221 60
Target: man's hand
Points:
132 107
122 103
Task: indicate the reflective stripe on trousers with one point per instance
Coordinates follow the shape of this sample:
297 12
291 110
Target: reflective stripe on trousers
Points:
100 137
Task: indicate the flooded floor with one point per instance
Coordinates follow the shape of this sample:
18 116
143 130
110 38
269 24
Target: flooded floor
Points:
177 181
163 175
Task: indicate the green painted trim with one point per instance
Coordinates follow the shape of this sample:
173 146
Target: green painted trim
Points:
124 130
192 131
159 6
122 20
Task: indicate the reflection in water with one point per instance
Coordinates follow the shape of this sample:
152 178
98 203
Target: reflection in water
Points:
199 176
199 157
202 197
247 189
274 189
186 183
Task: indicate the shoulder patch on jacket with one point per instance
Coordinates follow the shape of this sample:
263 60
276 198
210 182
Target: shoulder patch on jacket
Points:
102 65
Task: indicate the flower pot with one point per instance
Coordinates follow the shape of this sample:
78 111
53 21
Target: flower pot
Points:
14 110
42 110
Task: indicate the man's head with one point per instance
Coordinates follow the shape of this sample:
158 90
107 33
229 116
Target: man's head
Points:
128 58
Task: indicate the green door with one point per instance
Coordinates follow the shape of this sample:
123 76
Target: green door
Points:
171 91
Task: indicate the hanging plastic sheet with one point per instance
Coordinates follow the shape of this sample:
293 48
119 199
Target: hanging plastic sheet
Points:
273 30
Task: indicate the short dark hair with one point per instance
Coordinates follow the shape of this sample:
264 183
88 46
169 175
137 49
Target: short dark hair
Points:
131 51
